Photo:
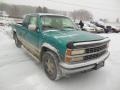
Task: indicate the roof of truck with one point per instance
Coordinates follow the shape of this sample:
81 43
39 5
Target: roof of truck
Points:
44 14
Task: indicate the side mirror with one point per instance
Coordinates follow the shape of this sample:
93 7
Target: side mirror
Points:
24 24
32 27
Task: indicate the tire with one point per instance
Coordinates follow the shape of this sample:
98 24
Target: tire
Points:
50 65
14 35
17 42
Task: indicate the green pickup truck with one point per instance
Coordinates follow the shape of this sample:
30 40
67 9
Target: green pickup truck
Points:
61 47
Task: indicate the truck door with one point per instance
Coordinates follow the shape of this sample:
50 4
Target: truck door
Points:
22 30
32 35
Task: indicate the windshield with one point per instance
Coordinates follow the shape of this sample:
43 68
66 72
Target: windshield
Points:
57 22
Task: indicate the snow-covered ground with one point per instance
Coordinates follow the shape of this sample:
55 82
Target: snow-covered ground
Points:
19 71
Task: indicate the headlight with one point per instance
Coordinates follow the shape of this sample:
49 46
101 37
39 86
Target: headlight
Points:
77 52
70 53
75 59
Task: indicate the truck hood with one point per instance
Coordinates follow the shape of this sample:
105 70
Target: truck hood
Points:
66 36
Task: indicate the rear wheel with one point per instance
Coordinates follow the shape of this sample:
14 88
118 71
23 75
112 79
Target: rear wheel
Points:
50 65
17 42
14 33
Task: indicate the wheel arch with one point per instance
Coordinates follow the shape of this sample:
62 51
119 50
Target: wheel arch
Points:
47 47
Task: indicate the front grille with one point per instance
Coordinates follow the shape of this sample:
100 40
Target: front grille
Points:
95 52
93 56
96 49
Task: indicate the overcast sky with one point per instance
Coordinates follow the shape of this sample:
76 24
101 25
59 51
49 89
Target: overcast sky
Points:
109 9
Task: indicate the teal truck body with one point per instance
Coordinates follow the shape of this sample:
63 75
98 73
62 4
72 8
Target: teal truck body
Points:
61 47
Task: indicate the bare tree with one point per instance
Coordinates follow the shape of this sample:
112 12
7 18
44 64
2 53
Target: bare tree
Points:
103 20
82 15
117 20
45 10
38 9
1 6
15 11
74 15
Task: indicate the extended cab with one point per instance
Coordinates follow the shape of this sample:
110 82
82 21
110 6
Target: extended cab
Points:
61 47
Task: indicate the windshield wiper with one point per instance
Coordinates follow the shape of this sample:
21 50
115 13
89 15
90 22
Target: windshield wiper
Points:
45 27
69 27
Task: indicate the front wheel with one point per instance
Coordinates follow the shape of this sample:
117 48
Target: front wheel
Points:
50 65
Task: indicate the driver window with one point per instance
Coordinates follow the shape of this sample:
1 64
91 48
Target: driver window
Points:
32 24
33 21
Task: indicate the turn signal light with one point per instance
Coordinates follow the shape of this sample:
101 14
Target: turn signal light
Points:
67 59
68 52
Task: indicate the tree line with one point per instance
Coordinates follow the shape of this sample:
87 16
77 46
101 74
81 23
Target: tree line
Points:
82 14
18 11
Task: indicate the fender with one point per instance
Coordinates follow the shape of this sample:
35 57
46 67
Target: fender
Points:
52 48
47 45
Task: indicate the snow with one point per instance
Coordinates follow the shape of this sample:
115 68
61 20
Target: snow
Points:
19 71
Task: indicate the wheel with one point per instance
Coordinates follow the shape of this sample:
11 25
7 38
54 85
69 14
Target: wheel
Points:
50 65
17 42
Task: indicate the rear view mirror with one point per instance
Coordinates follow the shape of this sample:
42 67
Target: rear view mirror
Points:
32 27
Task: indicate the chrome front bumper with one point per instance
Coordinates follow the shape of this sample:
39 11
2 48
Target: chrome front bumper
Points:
74 68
